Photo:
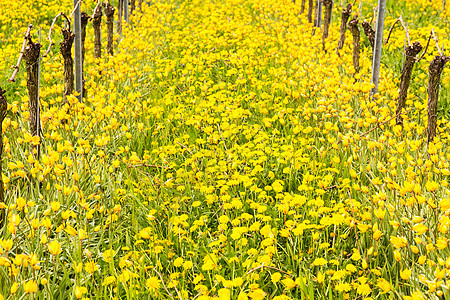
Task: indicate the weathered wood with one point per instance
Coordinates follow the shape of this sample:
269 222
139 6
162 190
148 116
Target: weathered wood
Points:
346 12
318 14
434 71
132 6
66 51
378 46
370 33
328 4
119 16
109 12
78 52
31 55
3 108
405 79
84 21
97 22
353 28
16 67
302 7
310 10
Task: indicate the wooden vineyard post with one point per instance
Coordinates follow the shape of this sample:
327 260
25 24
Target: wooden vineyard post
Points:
310 10
370 33
132 6
346 12
302 7
78 52
318 14
353 28
66 51
405 79
126 11
434 72
97 22
119 17
328 4
84 21
109 12
378 46
31 55
3 108
38 106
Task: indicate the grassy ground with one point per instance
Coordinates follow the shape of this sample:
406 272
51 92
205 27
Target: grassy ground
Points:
223 153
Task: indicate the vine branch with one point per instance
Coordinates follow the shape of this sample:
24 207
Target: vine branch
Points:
16 67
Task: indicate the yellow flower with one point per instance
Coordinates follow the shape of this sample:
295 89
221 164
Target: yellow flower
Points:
363 289
431 186
405 274
275 277
398 242
14 288
364 264
441 243
237 282
153 283
343 287
380 213
55 206
419 228
320 277
134 159
79 291
108 255
108 280
384 285
415 249
320 262
44 239
209 262
91 267
278 186
78 267
242 296
377 234
188 265
6 244
54 247
421 260
397 255
257 294
439 274
289 283
178 262
30 287
356 256
224 294
70 230
21 203
146 233
376 181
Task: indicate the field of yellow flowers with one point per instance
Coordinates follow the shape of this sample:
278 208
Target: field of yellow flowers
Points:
224 152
